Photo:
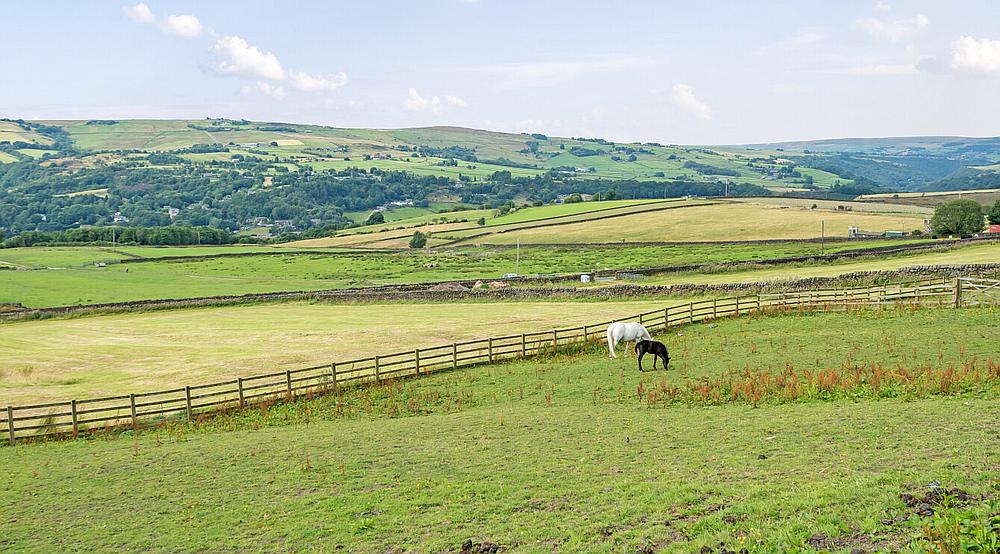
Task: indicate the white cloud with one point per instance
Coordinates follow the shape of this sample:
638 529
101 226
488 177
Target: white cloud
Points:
882 6
276 92
239 59
454 101
880 70
972 56
533 74
414 102
894 30
685 98
316 83
186 26
139 13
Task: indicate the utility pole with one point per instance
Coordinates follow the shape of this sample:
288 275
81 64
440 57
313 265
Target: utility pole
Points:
517 262
822 239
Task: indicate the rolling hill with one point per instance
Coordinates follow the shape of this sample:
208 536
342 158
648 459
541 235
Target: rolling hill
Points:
274 178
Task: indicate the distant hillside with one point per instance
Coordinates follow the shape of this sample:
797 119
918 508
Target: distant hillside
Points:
249 175
902 163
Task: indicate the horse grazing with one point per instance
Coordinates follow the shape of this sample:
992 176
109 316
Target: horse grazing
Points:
628 332
657 349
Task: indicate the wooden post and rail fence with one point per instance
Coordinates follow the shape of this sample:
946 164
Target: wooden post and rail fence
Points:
70 418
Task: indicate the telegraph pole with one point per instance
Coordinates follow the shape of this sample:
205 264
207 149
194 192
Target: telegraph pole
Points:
822 234
517 262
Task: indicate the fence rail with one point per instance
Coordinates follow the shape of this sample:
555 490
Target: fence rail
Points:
69 418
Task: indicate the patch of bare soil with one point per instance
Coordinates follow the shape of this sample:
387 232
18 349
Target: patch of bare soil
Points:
485 547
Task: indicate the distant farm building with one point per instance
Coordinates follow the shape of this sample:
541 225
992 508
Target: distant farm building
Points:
858 233
993 229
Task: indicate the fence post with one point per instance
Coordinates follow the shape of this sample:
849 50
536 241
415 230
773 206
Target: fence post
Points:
555 339
10 425
454 355
958 292
524 347
239 390
715 308
737 306
378 369
333 372
73 414
666 318
288 382
489 349
416 360
135 414
690 312
187 402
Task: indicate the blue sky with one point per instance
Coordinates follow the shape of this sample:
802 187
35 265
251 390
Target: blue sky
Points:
673 72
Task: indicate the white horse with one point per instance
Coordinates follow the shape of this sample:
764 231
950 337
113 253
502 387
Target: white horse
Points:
628 332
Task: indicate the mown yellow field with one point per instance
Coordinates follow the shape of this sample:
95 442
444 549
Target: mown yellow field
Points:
735 221
51 360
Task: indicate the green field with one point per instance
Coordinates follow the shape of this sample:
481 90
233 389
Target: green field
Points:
974 254
571 453
326 147
86 284
78 256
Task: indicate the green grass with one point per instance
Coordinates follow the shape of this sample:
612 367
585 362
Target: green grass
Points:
974 254
6 158
78 256
35 152
668 161
242 275
555 454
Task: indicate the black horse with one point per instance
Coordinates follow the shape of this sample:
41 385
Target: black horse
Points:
657 349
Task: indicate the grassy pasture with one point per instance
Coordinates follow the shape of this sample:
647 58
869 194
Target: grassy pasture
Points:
415 221
49 360
975 254
76 256
6 158
242 275
732 221
12 132
301 142
553 454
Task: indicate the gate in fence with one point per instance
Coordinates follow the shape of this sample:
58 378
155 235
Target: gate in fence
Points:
184 403
975 292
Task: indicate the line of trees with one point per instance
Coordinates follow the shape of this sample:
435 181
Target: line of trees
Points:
154 236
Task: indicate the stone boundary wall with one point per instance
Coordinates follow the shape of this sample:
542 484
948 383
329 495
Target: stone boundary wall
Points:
425 293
